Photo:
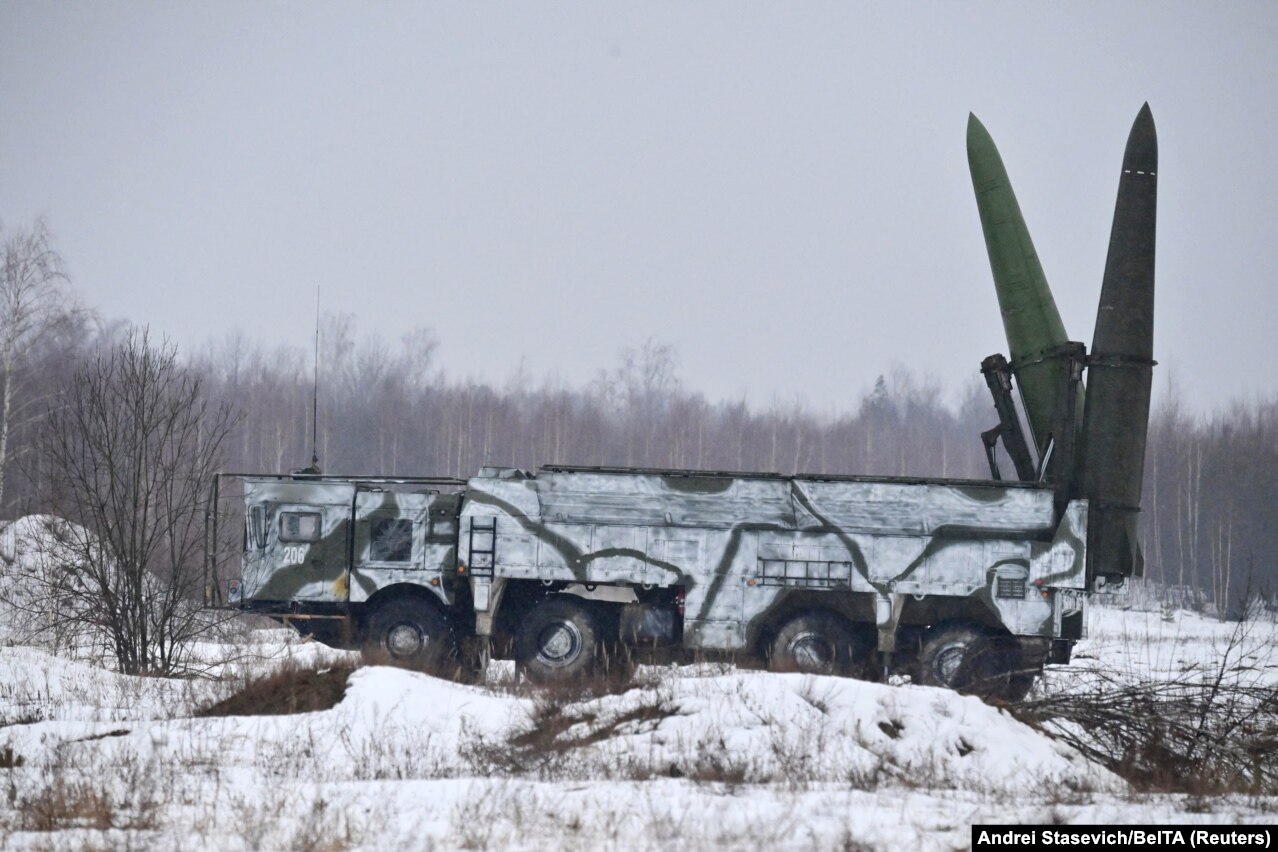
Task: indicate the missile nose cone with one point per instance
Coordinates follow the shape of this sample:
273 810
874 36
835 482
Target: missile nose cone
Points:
1141 154
978 138
983 159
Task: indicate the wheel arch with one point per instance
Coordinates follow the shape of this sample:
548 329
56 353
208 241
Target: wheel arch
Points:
856 608
940 612
522 596
404 591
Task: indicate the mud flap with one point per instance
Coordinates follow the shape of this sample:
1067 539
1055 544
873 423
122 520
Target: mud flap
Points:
887 615
486 594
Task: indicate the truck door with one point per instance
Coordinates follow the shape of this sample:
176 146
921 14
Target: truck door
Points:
390 540
251 576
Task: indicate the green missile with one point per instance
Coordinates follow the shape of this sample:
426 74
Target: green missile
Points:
1035 333
1120 367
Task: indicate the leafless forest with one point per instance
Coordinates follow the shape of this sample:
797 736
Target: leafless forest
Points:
1211 478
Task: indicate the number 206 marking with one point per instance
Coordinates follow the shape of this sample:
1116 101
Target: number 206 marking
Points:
294 553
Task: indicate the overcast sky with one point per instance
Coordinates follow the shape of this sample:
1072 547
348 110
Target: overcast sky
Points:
779 190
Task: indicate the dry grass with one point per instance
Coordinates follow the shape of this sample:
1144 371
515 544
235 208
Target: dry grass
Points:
560 727
291 688
68 804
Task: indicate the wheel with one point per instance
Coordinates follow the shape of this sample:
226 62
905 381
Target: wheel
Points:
951 658
409 633
969 661
822 643
557 642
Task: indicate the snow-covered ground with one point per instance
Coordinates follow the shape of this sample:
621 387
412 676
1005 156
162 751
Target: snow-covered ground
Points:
691 757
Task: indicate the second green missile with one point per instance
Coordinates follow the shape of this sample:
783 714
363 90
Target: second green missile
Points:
1112 458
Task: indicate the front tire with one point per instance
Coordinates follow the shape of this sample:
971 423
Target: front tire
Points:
557 642
412 634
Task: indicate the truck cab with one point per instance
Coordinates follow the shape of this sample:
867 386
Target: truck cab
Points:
319 553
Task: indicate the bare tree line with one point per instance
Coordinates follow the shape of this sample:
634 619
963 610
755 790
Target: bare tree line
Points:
1210 521
1210 518
390 410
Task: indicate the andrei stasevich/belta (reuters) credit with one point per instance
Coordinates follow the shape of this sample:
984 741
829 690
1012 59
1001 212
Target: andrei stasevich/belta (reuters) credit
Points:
1198 837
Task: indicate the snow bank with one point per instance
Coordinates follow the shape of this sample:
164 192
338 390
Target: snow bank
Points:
689 758
34 550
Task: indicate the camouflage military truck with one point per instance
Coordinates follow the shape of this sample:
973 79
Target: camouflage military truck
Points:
968 584
959 583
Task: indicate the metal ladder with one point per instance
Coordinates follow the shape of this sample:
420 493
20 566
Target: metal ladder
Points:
483 559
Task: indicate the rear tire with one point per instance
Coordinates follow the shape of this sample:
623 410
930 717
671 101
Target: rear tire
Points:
412 634
557 642
969 661
821 643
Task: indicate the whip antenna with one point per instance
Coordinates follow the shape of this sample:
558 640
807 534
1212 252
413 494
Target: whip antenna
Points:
315 468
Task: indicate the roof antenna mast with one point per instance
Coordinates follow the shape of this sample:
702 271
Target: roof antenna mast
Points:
314 469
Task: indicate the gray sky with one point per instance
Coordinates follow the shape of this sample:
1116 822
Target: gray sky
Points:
780 190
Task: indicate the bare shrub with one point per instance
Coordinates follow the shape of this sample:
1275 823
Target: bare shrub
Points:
1201 732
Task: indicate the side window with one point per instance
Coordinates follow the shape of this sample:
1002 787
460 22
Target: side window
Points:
390 540
299 526
443 528
443 519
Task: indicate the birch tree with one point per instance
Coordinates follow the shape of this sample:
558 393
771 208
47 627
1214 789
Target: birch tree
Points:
33 299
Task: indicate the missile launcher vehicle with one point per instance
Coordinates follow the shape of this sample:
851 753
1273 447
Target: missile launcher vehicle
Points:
570 571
